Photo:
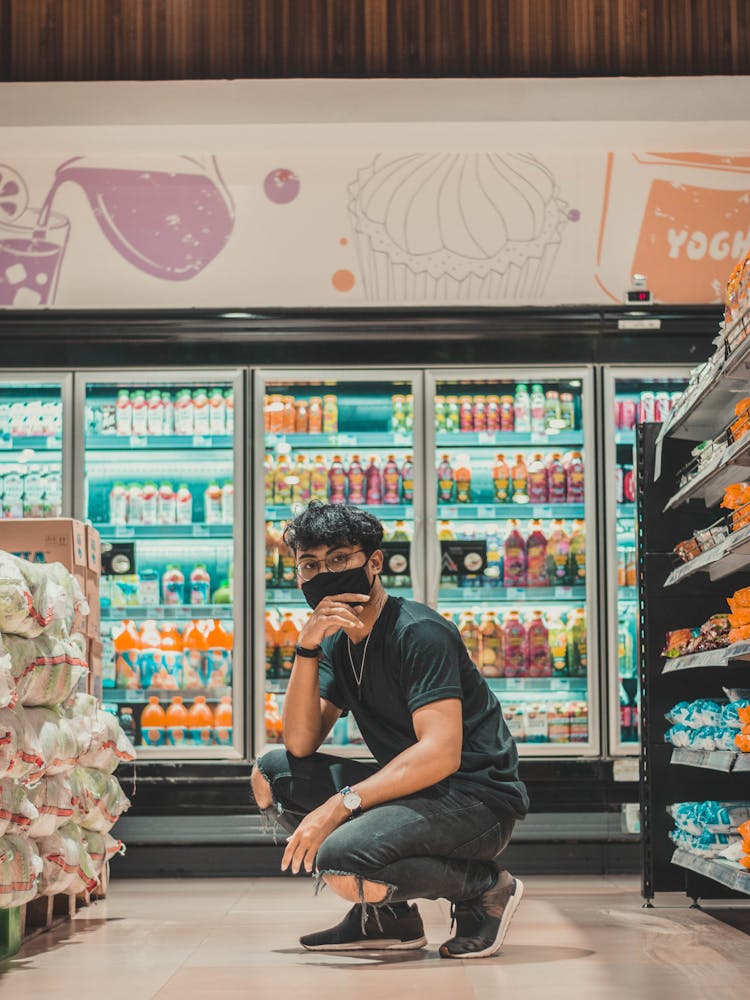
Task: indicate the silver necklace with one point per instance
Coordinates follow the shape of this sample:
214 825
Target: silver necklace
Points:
358 677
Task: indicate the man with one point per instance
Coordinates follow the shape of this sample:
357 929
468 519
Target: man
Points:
429 817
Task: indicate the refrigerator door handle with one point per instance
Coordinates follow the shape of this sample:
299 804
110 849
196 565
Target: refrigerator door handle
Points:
415 548
434 562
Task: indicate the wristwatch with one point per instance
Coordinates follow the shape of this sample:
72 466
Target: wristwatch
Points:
308 654
352 801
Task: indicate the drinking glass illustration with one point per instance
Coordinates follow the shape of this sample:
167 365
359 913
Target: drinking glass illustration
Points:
169 223
30 257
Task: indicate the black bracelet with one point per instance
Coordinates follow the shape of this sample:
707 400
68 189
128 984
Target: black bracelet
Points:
308 654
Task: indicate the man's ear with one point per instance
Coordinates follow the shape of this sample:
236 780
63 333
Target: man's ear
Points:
376 561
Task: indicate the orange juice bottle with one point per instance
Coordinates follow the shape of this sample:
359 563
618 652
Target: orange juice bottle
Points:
463 479
223 721
200 723
330 414
273 540
273 640
193 656
493 657
273 719
127 645
177 722
171 658
153 724
471 635
218 656
288 633
315 415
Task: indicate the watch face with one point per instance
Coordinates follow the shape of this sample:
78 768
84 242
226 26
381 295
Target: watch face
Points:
352 800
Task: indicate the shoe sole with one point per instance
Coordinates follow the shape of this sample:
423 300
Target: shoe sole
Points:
502 930
389 944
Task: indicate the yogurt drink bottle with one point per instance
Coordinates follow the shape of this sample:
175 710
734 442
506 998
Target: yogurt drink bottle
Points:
173 585
538 410
155 416
135 503
201 413
167 504
140 413
522 409
168 418
200 585
227 502
184 503
217 412
118 503
184 413
212 501
124 413
229 399
150 509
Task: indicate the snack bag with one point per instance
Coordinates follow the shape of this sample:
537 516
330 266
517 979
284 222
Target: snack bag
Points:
678 642
101 847
56 738
53 799
67 866
741 598
110 746
17 811
20 749
20 869
98 800
47 669
34 595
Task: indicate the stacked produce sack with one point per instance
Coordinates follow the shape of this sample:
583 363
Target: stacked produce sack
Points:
59 797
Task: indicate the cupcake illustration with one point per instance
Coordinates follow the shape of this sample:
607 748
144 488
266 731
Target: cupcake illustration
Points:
456 226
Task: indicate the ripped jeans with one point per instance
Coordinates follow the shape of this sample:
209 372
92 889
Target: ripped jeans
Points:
435 844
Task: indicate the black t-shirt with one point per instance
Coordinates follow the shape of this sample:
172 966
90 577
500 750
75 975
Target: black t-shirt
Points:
414 657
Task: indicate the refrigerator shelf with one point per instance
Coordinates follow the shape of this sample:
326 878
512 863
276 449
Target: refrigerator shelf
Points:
169 612
511 595
507 439
727 557
384 512
165 532
625 437
509 511
172 442
13 444
727 873
125 696
499 685
738 651
711 760
626 511
710 483
367 439
627 595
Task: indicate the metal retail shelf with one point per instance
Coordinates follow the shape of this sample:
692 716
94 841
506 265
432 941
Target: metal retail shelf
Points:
510 595
733 466
30 444
161 442
507 439
168 612
507 511
710 402
384 511
366 439
165 532
709 658
733 876
712 760
729 556
128 696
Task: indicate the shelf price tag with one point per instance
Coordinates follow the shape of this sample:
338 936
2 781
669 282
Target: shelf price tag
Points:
138 441
399 438
539 512
448 512
124 531
539 438
200 441
517 593
52 442
488 512
487 437
563 592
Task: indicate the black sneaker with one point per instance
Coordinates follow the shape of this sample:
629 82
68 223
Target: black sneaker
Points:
395 933
482 923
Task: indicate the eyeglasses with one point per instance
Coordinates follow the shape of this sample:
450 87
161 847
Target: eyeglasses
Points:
337 562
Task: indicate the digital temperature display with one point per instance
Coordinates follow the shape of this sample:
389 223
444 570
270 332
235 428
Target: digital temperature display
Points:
638 295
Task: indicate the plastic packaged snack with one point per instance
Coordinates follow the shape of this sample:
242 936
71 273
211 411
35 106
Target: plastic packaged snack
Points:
101 847
17 811
98 799
67 866
34 595
46 669
8 692
678 642
109 745
20 749
53 799
20 869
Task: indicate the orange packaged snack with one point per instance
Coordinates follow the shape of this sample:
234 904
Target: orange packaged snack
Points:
740 599
741 425
740 617
739 634
743 740
744 717
736 495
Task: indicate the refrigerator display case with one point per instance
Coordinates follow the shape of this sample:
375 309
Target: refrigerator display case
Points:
511 512
355 439
631 396
161 457
35 443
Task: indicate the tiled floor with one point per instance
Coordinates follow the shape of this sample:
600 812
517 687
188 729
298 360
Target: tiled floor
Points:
573 937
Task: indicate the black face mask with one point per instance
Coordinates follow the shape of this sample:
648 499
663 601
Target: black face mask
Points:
349 581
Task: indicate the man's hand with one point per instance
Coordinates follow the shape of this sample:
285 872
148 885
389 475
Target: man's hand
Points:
332 614
304 843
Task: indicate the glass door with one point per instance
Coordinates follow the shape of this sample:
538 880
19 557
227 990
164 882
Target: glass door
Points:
344 440
631 396
35 439
162 475
511 515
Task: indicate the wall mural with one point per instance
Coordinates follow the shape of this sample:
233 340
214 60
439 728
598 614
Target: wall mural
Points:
351 227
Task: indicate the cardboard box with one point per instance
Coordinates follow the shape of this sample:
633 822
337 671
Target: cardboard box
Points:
96 661
93 576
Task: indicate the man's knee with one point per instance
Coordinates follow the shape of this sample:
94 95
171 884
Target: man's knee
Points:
261 788
355 889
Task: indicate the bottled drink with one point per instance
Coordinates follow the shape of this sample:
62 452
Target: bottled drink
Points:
557 479
519 477
391 481
514 557
356 479
446 532
171 659
337 481
501 480
373 482
537 640
273 541
200 585
319 479
288 634
507 414
168 417
537 474
219 644
514 644
184 413
287 573
552 412
289 415
463 479
127 645
398 414
124 413
407 480
269 474
223 722
201 413
471 635
578 554
494 571
155 419
440 414
409 406
480 413
153 724
127 723
167 504
150 508
466 414
148 588
184 503
272 718
315 415
118 504
575 472
282 486
193 656
446 480
558 644
522 409
452 414
176 720
217 417
577 645
330 414
538 405
493 413
140 412
558 554
302 481
173 585
536 556
567 412
135 503
492 658
273 665
212 504
149 656
301 417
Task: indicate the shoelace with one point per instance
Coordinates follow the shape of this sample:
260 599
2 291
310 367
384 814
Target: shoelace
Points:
466 909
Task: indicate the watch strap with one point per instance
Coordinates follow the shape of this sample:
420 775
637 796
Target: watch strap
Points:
308 654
